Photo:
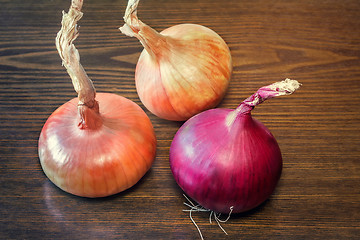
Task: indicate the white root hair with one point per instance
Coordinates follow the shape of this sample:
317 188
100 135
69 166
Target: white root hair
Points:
199 208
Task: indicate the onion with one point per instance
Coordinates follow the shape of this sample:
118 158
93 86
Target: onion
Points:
225 159
93 147
182 71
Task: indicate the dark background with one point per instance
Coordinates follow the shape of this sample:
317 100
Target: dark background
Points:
317 128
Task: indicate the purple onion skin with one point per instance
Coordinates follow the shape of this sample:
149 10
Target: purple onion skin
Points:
222 166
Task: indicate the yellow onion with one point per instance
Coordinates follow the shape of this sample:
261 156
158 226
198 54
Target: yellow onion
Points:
94 145
182 70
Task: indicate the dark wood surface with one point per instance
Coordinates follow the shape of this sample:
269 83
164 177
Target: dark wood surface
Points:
317 128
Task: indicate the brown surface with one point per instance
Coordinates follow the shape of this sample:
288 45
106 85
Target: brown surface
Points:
318 128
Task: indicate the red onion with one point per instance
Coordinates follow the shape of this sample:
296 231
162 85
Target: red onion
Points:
93 147
225 159
183 70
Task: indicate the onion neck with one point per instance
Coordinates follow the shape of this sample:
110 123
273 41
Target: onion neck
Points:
154 43
88 107
285 87
90 117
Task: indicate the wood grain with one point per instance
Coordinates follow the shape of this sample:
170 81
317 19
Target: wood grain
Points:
317 128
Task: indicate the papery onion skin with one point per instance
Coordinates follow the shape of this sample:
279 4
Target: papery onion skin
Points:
225 159
97 162
191 72
94 145
241 175
183 70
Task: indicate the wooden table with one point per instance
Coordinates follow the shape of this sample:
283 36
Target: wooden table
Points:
317 128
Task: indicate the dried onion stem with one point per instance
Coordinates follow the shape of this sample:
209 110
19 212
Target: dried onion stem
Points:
88 107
